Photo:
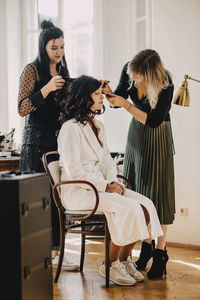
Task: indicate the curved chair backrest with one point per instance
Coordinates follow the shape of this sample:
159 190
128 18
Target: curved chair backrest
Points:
54 171
51 164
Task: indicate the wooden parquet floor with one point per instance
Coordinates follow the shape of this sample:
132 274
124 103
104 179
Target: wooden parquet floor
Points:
182 282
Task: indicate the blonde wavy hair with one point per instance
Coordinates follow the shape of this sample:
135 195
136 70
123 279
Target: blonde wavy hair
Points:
148 64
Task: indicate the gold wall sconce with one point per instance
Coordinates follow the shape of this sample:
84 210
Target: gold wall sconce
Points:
182 95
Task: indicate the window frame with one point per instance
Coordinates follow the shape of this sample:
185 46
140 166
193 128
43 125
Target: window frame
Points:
148 25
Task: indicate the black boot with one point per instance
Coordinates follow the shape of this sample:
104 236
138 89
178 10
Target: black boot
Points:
158 268
145 255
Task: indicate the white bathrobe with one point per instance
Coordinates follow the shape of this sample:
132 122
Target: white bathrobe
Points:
83 158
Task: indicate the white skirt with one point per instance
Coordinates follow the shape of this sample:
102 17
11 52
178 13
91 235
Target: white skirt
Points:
124 214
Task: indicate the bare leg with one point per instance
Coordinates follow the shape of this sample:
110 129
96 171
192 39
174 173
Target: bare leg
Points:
114 252
120 252
126 251
147 218
149 240
162 239
146 214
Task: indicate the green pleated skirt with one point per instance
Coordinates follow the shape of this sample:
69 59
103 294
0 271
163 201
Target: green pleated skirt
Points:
149 166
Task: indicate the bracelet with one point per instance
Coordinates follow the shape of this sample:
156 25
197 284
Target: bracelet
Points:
127 108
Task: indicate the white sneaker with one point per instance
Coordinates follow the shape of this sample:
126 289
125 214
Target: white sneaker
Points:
66 264
131 269
118 274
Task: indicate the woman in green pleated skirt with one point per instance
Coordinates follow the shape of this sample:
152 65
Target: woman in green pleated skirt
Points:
149 166
148 161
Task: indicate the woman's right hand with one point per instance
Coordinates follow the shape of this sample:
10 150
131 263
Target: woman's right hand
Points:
115 187
116 100
105 87
56 83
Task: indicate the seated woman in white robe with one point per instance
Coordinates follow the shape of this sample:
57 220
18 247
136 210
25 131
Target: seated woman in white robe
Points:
84 155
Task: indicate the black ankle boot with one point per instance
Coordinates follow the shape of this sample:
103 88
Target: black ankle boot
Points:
158 268
145 255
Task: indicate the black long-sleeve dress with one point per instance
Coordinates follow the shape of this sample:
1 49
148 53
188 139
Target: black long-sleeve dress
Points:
41 119
41 126
149 162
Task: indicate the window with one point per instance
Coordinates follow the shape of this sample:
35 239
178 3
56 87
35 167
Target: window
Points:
75 18
48 11
78 28
30 31
141 24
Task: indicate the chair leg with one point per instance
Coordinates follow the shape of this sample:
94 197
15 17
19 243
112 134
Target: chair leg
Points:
82 251
107 261
62 246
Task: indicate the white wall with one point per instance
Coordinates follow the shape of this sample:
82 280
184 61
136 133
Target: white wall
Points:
10 64
175 36
117 50
14 63
3 68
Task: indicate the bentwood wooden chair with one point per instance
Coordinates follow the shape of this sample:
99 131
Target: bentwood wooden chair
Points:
82 222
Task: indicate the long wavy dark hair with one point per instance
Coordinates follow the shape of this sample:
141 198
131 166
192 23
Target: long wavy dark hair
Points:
49 32
78 101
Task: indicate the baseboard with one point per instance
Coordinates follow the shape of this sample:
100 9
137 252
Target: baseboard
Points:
180 245
170 244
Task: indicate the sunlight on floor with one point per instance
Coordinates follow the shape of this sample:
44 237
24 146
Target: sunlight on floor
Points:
77 241
135 253
72 251
93 253
187 264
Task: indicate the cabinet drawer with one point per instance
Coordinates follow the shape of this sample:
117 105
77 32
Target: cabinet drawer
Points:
36 283
36 247
34 217
34 189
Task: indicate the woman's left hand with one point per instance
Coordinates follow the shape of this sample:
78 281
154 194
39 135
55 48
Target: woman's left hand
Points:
115 100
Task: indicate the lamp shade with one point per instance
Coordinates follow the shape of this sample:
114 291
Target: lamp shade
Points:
182 95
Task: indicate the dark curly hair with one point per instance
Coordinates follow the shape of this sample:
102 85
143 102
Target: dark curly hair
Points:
49 32
78 101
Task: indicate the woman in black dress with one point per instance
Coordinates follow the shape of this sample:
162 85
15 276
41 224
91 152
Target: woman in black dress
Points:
40 91
148 162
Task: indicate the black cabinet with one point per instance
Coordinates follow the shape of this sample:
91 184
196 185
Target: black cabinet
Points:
25 226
